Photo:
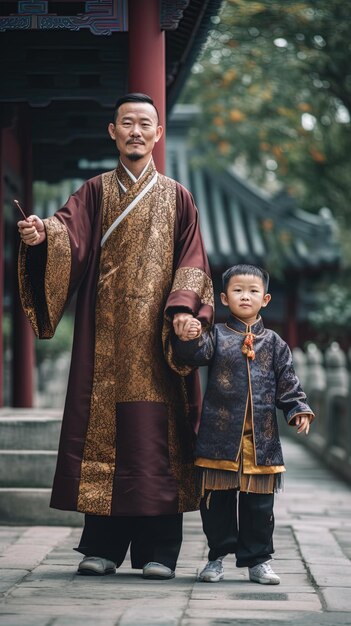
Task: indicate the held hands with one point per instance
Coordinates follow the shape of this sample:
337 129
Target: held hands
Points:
32 230
303 423
186 327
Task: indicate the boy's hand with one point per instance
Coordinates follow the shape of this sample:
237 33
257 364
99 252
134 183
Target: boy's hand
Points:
303 423
32 230
192 330
186 326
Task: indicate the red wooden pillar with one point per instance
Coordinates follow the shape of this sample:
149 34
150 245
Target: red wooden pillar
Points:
147 64
2 218
23 337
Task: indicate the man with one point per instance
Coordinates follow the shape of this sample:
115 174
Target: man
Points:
129 242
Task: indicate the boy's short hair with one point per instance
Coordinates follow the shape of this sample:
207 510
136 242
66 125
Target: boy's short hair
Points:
243 269
134 97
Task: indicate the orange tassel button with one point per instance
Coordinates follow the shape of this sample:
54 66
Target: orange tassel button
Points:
247 347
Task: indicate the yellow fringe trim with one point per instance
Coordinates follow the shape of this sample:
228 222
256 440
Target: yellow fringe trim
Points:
215 480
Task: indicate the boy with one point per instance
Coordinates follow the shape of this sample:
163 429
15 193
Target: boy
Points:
238 447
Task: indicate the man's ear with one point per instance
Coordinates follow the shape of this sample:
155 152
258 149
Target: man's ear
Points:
159 133
267 298
111 130
224 299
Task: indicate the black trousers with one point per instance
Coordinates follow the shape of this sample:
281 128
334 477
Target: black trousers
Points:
240 525
155 539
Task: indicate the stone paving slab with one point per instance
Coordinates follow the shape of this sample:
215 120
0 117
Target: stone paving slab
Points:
254 618
25 620
39 585
337 599
10 577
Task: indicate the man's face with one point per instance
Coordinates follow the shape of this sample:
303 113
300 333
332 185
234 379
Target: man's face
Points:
136 130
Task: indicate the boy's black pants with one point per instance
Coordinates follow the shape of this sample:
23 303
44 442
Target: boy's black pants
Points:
251 540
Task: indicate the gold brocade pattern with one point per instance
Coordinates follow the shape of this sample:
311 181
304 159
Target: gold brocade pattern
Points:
136 271
194 279
56 282
182 370
186 279
25 289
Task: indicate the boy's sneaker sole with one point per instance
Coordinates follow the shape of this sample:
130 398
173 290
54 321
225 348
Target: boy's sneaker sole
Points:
263 574
265 581
214 579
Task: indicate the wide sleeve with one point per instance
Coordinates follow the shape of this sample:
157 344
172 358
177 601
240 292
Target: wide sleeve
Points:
196 352
290 397
192 286
192 289
51 272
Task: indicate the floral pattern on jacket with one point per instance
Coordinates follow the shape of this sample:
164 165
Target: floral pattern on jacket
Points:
268 381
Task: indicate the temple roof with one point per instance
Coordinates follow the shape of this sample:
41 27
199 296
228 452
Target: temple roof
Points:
240 222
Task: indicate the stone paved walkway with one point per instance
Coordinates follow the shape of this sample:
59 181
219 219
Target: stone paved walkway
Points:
38 585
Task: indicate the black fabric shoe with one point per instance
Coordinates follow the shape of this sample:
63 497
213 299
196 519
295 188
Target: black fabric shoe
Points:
157 571
96 566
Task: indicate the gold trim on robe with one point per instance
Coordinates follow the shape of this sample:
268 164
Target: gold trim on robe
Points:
136 271
56 282
194 279
186 279
127 438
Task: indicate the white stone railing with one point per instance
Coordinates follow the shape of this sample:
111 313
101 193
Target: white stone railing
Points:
326 379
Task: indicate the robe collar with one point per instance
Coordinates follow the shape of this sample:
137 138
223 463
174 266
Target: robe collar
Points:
126 180
236 324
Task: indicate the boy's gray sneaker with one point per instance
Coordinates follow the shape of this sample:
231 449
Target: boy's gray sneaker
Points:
212 572
263 574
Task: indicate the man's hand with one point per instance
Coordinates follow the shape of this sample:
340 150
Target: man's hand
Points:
181 325
303 423
32 230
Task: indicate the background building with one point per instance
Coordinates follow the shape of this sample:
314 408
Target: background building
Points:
66 63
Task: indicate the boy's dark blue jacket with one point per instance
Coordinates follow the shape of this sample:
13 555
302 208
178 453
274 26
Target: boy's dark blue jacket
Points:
270 378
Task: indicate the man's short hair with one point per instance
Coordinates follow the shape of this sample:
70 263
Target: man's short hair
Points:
134 97
242 269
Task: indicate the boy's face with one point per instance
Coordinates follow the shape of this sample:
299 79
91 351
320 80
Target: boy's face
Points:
245 297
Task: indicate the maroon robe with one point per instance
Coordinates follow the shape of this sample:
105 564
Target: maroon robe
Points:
126 445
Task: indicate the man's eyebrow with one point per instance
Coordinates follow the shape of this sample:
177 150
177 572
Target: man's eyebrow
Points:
131 116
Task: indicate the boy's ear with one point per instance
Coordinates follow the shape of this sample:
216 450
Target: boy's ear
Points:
224 299
267 298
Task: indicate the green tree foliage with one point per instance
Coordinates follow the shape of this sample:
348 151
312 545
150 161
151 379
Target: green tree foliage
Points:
274 85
